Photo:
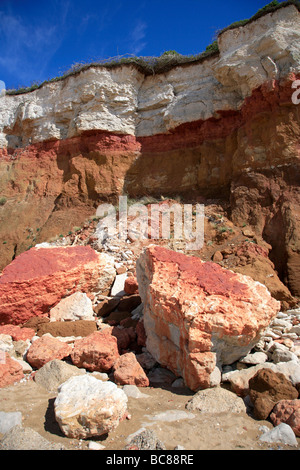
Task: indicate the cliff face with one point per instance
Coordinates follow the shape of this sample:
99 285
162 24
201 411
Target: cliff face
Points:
224 127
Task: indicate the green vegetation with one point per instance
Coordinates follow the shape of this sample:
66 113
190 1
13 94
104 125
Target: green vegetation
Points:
269 8
2 200
162 64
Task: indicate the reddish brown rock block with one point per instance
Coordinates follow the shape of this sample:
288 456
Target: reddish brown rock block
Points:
10 371
131 285
287 411
39 278
46 349
96 352
198 315
266 389
124 336
128 371
141 333
67 328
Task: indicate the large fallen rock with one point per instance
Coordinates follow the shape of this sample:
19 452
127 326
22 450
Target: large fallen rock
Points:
198 315
87 407
39 278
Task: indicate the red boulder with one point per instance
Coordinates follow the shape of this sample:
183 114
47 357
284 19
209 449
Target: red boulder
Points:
39 278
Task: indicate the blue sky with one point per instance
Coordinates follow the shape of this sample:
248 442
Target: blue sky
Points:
41 39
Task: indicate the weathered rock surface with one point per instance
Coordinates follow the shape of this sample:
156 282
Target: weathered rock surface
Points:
198 315
86 407
287 411
9 420
17 333
281 434
131 285
54 373
77 306
39 278
239 379
45 349
216 400
144 439
125 336
267 388
67 328
96 352
128 371
24 438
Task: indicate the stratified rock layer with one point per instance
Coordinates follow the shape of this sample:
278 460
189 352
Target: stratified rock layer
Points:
39 278
199 315
225 126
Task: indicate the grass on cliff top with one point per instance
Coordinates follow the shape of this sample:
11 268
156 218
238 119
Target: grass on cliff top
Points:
162 64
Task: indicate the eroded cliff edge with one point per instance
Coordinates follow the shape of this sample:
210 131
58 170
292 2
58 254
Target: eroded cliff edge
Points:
224 128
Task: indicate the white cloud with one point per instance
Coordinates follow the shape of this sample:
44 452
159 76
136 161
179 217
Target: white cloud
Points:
137 36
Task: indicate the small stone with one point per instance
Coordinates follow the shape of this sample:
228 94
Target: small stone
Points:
160 375
283 356
216 400
281 434
178 383
132 391
217 257
54 373
77 306
131 285
266 389
9 419
118 285
95 446
45 349
17 333
144 439
21 438
96 352
255 358
127 371
6 343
